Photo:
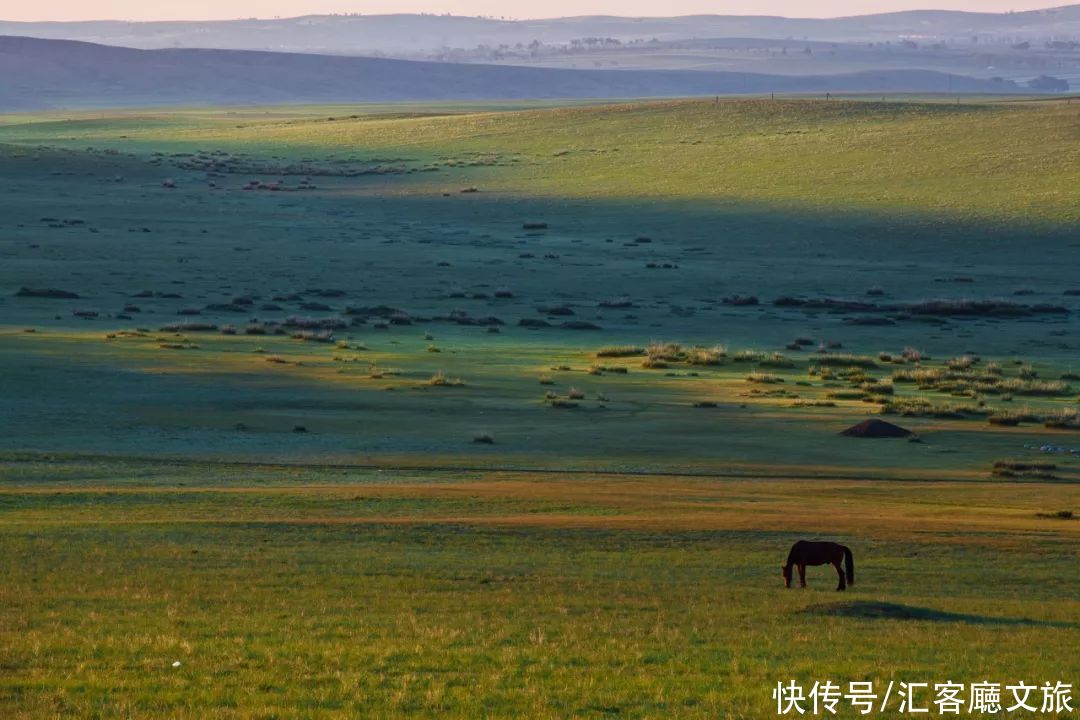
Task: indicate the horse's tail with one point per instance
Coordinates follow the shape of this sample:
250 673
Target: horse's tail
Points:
849 565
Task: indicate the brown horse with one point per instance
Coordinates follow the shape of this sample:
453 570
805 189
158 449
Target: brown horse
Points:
805 553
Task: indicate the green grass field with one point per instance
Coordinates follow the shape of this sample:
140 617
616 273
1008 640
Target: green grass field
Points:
317 592
465 411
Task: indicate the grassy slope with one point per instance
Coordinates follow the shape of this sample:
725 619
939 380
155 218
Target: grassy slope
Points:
381 235
1002 162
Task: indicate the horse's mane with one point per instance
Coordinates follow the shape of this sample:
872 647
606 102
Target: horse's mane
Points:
791 556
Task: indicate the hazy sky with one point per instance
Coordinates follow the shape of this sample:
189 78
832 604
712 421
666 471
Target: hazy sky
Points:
217 9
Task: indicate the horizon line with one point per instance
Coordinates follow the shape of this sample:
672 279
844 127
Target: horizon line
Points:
549 17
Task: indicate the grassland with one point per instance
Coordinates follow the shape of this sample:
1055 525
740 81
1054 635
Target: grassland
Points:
966 161
250 443
292 592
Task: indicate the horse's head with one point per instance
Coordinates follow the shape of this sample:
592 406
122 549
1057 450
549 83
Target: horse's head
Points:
785 570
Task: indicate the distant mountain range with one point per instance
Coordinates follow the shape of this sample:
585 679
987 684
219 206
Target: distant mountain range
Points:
408 34
42 74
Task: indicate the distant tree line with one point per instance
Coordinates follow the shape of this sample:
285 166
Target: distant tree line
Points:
1048 83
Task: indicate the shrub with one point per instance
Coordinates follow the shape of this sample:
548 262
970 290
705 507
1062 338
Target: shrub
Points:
671 352
616 351
847 360
1067 419
921 407
964 362
189 327
878 388
748 356
776 360
740 300
1050 388
559 310
913 355
853 375
706 356
322 336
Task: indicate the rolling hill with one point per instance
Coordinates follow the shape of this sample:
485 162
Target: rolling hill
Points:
404 33
42 74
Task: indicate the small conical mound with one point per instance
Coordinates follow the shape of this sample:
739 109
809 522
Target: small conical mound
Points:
875 428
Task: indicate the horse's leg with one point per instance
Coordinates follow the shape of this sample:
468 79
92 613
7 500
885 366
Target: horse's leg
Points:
840 571
802 575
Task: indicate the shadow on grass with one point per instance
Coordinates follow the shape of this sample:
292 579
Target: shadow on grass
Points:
874 610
